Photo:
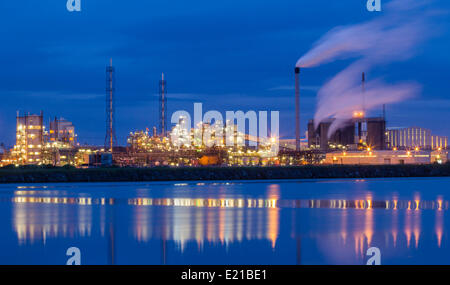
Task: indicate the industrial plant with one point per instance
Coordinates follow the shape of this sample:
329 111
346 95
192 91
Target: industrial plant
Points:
359 140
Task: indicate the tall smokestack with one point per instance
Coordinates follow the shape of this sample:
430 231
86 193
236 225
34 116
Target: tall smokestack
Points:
363 81
297 108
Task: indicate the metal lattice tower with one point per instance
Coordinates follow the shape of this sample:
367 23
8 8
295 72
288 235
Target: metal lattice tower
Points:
162 107
110 139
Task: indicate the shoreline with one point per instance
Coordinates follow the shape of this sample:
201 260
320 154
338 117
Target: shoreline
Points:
113 174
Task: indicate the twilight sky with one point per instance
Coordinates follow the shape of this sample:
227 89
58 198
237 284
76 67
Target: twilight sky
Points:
228 55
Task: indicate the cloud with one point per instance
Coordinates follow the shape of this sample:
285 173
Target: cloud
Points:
394 36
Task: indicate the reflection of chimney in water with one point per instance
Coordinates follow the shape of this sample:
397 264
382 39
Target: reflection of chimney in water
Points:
297 108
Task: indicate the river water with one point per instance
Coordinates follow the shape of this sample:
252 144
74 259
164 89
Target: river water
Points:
252 222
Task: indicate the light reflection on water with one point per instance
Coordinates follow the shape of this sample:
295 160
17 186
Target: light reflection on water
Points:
278 222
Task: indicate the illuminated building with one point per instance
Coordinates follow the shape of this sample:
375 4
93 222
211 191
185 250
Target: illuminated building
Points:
409 138
203 145
59 154
4 157
404 138
180 135
29 139
141 142
289 144
439 142
59 147
386 157
318 137
358 132
63 131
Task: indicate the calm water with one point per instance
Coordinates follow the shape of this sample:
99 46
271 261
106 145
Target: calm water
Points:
270 222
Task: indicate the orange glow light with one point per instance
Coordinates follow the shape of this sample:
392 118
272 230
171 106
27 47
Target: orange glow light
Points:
358 114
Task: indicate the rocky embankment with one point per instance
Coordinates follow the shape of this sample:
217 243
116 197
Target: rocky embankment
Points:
45 175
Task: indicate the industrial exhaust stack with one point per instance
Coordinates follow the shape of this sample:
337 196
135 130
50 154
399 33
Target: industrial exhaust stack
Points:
363 81
297 108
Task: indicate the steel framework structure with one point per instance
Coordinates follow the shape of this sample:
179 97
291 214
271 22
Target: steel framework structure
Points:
162 107
110 138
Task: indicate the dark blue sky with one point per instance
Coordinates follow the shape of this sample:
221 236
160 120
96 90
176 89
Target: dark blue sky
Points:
229 55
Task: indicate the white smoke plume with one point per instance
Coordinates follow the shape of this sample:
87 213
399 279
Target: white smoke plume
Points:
391 36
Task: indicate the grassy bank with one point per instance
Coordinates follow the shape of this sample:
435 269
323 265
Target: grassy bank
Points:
43 175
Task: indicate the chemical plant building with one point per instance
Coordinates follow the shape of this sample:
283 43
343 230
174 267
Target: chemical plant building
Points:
359 140
411 138
366 141
357 133
29 139
62 131
36 146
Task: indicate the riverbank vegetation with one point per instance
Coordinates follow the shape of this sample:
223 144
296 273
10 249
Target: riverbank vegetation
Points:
45 174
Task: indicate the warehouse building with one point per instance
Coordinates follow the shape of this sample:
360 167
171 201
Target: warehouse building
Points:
414 137
386 157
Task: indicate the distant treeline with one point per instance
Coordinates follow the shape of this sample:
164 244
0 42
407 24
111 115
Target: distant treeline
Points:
115 174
